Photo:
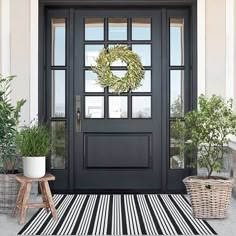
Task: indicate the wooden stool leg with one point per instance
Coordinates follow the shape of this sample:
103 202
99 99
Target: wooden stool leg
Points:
44 196
50 200
24 203
19 198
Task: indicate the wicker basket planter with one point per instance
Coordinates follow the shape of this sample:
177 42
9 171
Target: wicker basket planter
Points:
209 197
8 192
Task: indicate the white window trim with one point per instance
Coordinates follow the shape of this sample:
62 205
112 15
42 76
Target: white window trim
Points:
34 29
229 76
201 46
230 57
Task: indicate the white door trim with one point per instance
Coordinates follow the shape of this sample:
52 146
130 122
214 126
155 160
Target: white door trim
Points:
229 75
34 29
201 46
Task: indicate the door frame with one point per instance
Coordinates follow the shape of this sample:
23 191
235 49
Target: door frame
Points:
42 86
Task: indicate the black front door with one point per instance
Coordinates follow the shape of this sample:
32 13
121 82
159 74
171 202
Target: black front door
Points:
104 141
117 139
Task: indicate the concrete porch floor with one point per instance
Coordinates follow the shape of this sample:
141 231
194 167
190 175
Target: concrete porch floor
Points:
227 227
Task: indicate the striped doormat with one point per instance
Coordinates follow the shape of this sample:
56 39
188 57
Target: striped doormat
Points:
129 214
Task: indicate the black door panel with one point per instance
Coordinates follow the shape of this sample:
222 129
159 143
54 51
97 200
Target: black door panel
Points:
118 147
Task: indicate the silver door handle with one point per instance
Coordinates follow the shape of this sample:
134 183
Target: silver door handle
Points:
78 113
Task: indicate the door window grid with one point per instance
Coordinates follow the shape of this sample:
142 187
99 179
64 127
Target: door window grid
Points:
143 46
177 82
58 93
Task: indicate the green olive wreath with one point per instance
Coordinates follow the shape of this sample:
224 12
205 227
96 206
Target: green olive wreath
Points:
133 77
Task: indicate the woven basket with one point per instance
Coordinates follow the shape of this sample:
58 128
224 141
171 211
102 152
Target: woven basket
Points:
9 188
209 197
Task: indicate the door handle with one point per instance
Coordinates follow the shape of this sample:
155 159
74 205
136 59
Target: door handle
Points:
78 113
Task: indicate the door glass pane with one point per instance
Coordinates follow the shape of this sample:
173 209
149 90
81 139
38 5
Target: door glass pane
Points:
141 106
58 93
176 153
58 44
91 53
141 29
118 107
176 41
117 29
94 107
94 29
144 51
118 73
91 84
145 83
58 151
176 93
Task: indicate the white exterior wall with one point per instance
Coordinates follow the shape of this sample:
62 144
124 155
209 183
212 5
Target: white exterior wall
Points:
5 36
234 87
0 35
214 44
20 53
215 47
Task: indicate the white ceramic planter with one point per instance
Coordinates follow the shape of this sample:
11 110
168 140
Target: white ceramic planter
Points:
34 167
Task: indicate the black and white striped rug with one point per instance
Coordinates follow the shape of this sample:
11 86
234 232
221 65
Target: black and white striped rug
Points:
129 214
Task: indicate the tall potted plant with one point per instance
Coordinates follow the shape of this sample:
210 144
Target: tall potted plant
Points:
34 144
206 131
9 120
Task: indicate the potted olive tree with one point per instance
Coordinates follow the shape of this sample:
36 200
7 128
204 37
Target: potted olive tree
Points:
206 131
9 160
33 143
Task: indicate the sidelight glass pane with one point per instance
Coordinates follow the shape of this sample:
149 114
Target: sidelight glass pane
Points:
91 53
58 44
58 141
117 29
176 153
58 93
141 106
145 83
177 93
94 29
94 107
118 107
144 51
176 41
91 84
141 29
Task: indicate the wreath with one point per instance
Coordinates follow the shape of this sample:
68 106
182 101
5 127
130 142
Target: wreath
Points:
133 77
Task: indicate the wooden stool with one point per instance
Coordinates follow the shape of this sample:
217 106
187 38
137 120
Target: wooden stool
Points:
24 193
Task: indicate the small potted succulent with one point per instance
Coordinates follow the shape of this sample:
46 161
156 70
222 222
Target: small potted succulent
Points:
207 131
9 158
33 143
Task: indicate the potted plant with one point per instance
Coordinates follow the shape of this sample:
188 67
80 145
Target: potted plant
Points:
34 144
9 120
206 131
